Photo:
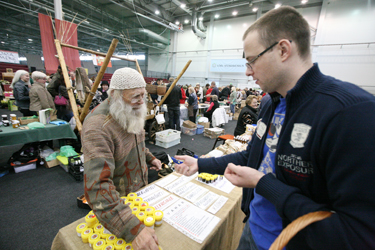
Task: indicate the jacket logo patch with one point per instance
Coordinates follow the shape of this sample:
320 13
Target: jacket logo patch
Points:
299 135
261 129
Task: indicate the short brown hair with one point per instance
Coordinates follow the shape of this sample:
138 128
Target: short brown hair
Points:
249 99
283 23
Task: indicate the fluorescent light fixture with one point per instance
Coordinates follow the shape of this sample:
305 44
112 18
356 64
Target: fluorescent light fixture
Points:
86 21
177 22
217 16
186 21
183 5
210 1
277 5
30 39
234 13
106 29
255 9
22 58
304 1
98 50
157 12
2 42
200 18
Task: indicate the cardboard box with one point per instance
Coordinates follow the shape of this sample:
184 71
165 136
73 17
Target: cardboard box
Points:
204 124
28 119
51 164
189 124
235 116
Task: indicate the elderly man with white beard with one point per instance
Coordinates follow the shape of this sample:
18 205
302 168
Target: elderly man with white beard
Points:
116 157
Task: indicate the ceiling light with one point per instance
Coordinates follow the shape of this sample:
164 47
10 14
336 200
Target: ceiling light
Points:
2 42
186 21
30 39
177 22
210 1
255 9
106 29
183 5
86 21
277 5
234 13
157 12
217 16
201 18
304 1
98 50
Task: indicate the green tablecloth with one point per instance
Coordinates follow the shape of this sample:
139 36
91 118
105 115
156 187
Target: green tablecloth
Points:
13 136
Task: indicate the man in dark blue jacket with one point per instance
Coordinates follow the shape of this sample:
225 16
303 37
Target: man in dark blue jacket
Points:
313 149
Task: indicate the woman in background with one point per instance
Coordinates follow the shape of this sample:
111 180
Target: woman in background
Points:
213 106
40 98
21 88
193 104
233 99
248 115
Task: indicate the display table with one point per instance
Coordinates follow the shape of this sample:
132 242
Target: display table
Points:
225 235
13 136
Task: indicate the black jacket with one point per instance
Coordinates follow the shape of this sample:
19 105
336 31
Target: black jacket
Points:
173 99
21 94
248 115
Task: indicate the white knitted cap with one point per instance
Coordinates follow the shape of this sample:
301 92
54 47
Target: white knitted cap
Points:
127 78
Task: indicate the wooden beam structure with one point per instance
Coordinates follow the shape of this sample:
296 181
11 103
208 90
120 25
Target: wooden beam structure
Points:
72 98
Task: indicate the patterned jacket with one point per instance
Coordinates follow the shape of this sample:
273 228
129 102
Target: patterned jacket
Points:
115 165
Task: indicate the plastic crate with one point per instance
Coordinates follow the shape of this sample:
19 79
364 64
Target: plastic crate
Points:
189 131
200 129
168 135
167 144
25 167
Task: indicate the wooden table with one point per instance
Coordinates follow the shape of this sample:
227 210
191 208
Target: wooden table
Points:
226 234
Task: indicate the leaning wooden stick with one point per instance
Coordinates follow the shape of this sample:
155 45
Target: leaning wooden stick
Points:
138 68
99 78
174 83
72 99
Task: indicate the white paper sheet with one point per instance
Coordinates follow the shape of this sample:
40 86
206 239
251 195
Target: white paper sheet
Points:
219 203
185 189
155 197
206 200
198 192
147 191
223 185
166 180
180 181
166 202
192 221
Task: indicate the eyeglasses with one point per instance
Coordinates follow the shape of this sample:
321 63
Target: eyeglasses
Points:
248 64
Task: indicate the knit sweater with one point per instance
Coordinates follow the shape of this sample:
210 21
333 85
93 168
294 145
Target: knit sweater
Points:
115 165
324 161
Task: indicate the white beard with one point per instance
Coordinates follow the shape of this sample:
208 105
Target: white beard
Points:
131 120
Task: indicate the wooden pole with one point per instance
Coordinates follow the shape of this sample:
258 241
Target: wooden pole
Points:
99 78
96 53
174 83
138 68
72 99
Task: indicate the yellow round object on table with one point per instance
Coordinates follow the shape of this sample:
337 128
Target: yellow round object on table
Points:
143 205
91 220
137 201
120 244
141 216
99 245
131 196
80 228
158 218
98 228
86 234
149 221
109 247
129 246
93 238
150 211
111 239
129 203
135 210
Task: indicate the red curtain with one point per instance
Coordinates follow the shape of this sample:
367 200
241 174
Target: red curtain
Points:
66 33
49 50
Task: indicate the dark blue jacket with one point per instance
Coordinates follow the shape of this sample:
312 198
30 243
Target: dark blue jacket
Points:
325 160
21 94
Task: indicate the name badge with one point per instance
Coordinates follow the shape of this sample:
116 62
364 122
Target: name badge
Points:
261 129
